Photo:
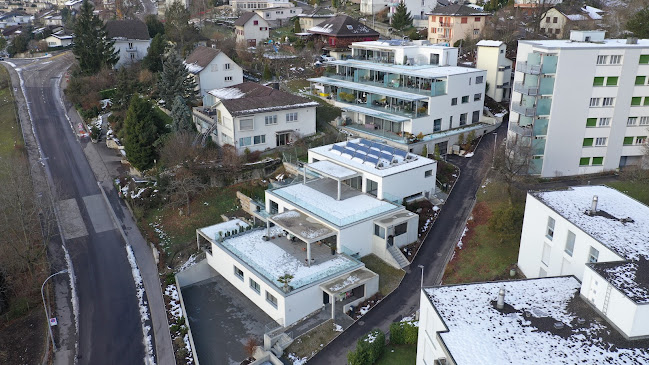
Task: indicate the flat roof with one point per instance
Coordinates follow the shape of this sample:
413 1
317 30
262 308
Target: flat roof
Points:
524 331
332 170
397 165
431 71
370 89
621 223
302 226
318 198
566 43
232 226
397 43
629 277
348 281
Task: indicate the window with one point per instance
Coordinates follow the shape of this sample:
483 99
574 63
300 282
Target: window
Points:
593 255
130 45
256 22
604 122
594 102
274 207
379 231
271 299
547 19
463 118
598 81
465 99
238 272
477 19
454 101
591 122
554 20
608 101
400 229
432 18
601 60
644 59
428 173
228 78
640 140
640 80
476 31
600 141
479 79
556 31
291 117
628 141
255 286
246 124
584 161
636 100
631 121
545 256
616 59
372 187
598 161
464 20
476 117
270 119
587 142
259 139
611 81
245 141
542 30
646 101
477 97
570 243
437 125
644 120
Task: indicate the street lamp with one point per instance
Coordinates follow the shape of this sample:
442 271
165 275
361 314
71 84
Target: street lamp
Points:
422 276
493 159
47 315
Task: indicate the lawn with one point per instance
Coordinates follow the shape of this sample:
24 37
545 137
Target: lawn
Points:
313 341
400 354
10 135
637 189
485 255
389 277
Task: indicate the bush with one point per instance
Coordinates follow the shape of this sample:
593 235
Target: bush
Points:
507 220
368 349
403 333
107 93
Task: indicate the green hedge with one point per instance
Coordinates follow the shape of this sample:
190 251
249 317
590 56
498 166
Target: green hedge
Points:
368 349
403 333
108 93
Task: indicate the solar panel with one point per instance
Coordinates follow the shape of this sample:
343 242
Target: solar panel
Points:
365 142
353 146
338 148
402 154
359 155
372 159
364 149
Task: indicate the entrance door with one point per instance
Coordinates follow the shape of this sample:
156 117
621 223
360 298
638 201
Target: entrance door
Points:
282 139
622 161
325 298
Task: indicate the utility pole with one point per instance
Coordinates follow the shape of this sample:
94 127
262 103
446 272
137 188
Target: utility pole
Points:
47 314
421 286
493 159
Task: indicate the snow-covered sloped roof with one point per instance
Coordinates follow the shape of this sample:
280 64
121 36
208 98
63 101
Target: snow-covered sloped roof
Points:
252 98
621 222
526 331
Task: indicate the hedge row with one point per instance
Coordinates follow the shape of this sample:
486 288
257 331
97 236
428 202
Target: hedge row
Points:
368 349
404 333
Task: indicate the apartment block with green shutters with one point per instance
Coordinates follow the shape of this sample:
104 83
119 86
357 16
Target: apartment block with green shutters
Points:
590 109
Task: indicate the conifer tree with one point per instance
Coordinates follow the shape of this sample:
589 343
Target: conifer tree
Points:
142 129
175 80
92 47
401 19
181 116
153 59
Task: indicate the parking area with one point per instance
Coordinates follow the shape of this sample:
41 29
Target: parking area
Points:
222 320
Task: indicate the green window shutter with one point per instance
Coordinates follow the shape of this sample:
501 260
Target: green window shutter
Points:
591 122
644 59
636 100
646 100
588 142
639 80
598 81
584 161
628 140
611 81
598 161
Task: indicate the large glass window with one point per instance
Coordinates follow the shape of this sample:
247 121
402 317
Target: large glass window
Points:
463 118
372 187
475 118
570 243
437 125
274 207
238 272
400 229
246 125
379 231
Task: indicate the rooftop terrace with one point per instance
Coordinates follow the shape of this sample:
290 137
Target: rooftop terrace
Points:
526 330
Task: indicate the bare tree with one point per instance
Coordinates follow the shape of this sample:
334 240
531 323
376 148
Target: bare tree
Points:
183 186
512 160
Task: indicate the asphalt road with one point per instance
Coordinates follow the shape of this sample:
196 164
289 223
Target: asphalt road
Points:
109 322
432 255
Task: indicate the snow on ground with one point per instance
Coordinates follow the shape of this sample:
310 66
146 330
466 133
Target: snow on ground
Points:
470 154
189 358
295 360
460 243
165 239
365 309
174 301
337 327
189 263
371 337
349 281
511 337
144 309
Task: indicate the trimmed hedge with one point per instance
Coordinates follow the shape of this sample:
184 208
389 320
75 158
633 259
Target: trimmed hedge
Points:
404 333
369 349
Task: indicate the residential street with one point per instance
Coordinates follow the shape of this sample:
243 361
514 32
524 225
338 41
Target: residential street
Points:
433 254
110 329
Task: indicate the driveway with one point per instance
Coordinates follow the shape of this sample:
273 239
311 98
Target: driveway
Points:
222 320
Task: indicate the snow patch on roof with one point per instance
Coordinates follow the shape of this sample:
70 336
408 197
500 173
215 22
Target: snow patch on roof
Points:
193 68
227 93
488 43
624 278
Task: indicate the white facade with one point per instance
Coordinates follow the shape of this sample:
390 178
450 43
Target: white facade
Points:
131 50
280 13
250 5
219 73
59 40
254 32
492 58
417 8
580 103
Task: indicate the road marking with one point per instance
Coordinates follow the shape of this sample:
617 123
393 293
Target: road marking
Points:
71 221
96 207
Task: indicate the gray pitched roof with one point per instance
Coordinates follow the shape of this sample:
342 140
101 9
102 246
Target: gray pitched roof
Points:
318 12
127 29
343 26
458 10
251 98
243 19
202 56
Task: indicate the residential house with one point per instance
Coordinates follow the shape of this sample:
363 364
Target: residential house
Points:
131 38
530 7
255 117
60 39
339 32
53 20
73 4
491 56
410 94
251 29
251 5
15 18
277 16
452 23
417 8
561 19
580 106
212 69
317 16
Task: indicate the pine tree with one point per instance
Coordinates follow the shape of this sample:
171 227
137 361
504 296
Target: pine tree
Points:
181 116
296 26
638 23
175 80
92 47
153 59
401 19
124 90
142 129
267 73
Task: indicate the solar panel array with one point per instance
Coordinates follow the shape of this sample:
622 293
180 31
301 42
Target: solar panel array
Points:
372 152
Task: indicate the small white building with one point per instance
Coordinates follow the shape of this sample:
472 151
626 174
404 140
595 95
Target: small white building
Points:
317 16
559 20
250 5
59 40
541 321
492 57
255 117
131 38
212 69
417 8
278 15
251 29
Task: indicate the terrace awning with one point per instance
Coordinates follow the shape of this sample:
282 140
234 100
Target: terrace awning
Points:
332 170
302 226
385 91
375 113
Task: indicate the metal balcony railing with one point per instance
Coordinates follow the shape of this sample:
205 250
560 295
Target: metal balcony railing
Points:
525 89
524 110
527 68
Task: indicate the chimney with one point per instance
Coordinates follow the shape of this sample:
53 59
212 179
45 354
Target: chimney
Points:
500 304
632 40
593 205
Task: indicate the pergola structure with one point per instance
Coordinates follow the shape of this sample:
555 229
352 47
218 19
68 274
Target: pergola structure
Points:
332 171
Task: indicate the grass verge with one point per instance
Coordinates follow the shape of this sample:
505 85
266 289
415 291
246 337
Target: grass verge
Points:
313 341
10 136
389 277
638 189
399 354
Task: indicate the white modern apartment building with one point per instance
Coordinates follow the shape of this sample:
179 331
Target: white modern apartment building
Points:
581 105
492 57
254 117
417 8
410 93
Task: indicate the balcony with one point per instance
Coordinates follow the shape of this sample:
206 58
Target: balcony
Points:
439 88
445 25
526 90
524 110
524 67
521 131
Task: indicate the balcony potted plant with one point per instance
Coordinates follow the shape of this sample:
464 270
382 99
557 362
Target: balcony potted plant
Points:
286 280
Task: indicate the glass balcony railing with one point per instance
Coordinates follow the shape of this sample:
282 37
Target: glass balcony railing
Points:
438 88
525 132
524 110
401 110
535 166
540 127
524 67
543 106
524 89
538 146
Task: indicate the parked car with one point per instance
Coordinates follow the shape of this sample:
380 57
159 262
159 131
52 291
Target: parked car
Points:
326 58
